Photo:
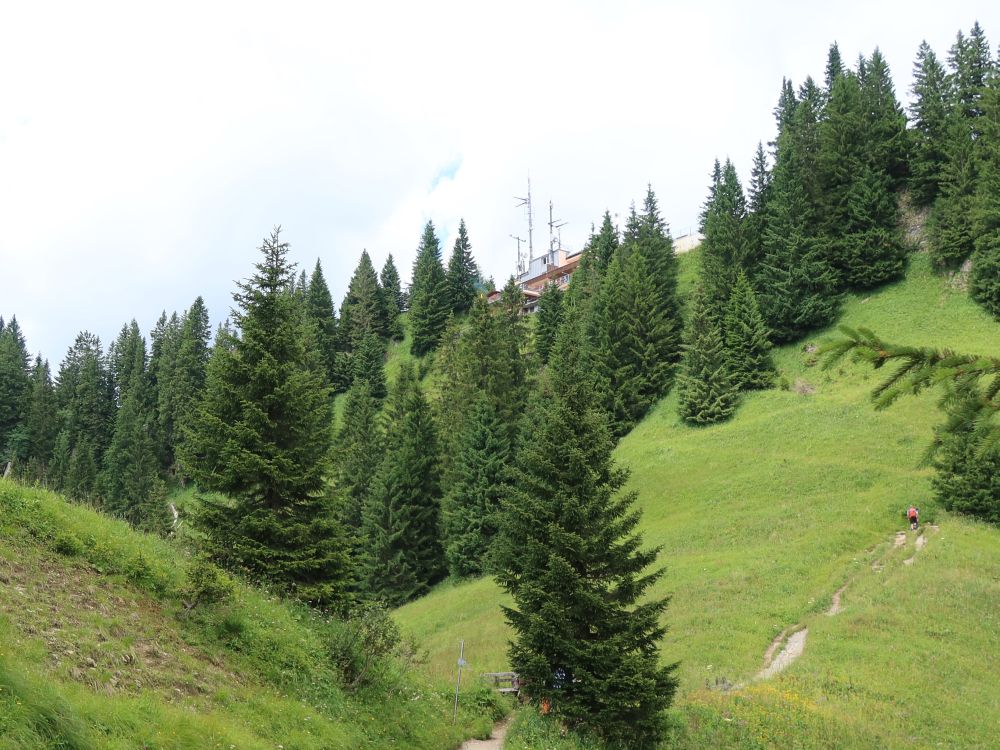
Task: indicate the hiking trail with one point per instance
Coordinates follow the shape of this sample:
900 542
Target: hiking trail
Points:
495 742
790 643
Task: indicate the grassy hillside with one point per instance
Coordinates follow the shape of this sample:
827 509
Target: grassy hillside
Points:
763 519
98 651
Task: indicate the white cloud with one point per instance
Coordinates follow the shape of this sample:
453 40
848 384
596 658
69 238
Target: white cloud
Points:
145 151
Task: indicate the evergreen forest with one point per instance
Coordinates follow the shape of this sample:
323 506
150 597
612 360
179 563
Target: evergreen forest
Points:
424 434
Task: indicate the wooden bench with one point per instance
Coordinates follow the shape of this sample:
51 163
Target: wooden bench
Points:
504 682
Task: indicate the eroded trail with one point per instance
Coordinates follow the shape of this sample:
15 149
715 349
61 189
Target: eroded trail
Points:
790 643
495 742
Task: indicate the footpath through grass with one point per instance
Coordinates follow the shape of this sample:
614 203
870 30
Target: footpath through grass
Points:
762 519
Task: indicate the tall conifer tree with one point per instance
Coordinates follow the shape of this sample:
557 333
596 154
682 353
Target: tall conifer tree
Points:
929 113
429 301
323 315
358 452
364 309
755 225
747 344
15 385
41 420
568 553
723 251
548 321
189 372
393 291
462 274
401 532
707 390
262 437
985 278
469 510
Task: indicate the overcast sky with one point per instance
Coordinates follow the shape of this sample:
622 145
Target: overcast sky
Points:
146 150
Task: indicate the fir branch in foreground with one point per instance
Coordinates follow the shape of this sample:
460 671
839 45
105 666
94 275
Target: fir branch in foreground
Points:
970 383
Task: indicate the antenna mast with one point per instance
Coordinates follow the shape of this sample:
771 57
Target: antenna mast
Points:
554 226
526 202
520 258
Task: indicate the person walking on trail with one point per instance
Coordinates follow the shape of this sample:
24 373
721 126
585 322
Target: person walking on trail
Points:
913 515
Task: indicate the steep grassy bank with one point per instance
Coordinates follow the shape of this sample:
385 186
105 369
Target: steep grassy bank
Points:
97 650
764 518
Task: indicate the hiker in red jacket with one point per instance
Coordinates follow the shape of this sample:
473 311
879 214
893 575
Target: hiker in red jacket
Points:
914 516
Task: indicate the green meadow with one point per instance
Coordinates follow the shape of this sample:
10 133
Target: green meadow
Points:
762 519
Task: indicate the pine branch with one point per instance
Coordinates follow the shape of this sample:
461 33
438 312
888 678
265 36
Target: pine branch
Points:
971 383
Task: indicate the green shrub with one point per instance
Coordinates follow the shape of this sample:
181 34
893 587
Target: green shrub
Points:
66 543
206 583
358 645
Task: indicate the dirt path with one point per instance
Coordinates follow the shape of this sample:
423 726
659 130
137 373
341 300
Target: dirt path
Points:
790 643
835 601
794 646
495 742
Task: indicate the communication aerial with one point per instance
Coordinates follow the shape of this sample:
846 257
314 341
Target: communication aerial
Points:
520 258
554 234
526 202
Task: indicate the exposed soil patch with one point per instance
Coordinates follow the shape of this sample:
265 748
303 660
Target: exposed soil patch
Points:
495 742
803 388
102 634
835 601
792 650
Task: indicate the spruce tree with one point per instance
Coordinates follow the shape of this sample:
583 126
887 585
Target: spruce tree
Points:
548 321
929 113
400 528
949 226
429 301
41 420
568 553
130 477
985 278
713 190
364 308
58 473
369 365
15 385
463 274
392 289
262 437
755 225
885 124
189 371
656 246
834 68
126 355
968 481
358 451
723 250
323 315
798 286
469 510
707 391
784 112
971 66
85 395
484 359
81 479
746 338
164 343
636 341
601 246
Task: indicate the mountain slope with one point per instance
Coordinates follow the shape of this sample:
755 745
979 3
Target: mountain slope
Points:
98 650
764 518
